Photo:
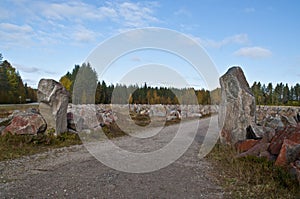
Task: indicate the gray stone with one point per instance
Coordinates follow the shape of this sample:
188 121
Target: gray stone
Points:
174 114
82 117
5 121
237 108
264 132
274 122
288 120
53 98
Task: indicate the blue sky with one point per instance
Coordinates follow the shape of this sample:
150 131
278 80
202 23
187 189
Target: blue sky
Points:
45 39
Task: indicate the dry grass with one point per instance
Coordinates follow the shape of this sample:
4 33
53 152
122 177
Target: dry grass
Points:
251 177
15 146
6 110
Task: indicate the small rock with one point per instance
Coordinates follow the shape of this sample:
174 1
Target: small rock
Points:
255 150
288 121
291 133
274 122
289 152
174 114
245 145
263 132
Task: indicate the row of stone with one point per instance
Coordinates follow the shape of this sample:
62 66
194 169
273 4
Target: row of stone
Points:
89 116
57 115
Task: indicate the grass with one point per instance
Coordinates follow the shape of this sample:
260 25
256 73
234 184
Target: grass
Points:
251 177
6 110
15 146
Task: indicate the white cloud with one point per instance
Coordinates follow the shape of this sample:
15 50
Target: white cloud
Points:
135 14
57 22
31 82
183 12
127 14
16 34
31 69
5 13
249 10
70 11
235 39
83 34
255 52
108 12
15 28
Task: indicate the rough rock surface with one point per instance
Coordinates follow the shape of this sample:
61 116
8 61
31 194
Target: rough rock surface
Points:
89 117
289 152
26 123
290 133
53 98
257 150
245 145
237 108
277 116
82 117
173 115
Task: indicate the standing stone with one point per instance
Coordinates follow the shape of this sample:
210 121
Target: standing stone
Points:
237 108
53 98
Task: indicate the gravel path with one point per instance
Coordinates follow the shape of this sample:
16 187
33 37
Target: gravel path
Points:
73 172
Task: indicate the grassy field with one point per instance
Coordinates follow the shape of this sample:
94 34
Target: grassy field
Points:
251 177
6 110
15 146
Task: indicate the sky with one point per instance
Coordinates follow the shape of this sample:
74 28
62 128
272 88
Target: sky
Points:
45 39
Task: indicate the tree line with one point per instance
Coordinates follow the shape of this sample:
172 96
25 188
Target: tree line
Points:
83 83
100 93
12 88
280 94
85 88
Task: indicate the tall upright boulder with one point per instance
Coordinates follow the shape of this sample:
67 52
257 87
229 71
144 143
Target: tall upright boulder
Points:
237 107
53 98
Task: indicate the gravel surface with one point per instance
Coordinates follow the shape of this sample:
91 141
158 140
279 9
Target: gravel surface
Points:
72 172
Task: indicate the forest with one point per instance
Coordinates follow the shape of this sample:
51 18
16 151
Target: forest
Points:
280 94
12 88
85 77
84 87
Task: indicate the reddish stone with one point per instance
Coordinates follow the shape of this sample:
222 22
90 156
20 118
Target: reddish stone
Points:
289 152
256 150
26 123
291 133
245 145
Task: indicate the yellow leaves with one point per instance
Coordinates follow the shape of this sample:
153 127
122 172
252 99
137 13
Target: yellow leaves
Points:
66 82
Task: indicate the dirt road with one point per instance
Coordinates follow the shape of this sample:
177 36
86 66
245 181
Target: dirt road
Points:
74 173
